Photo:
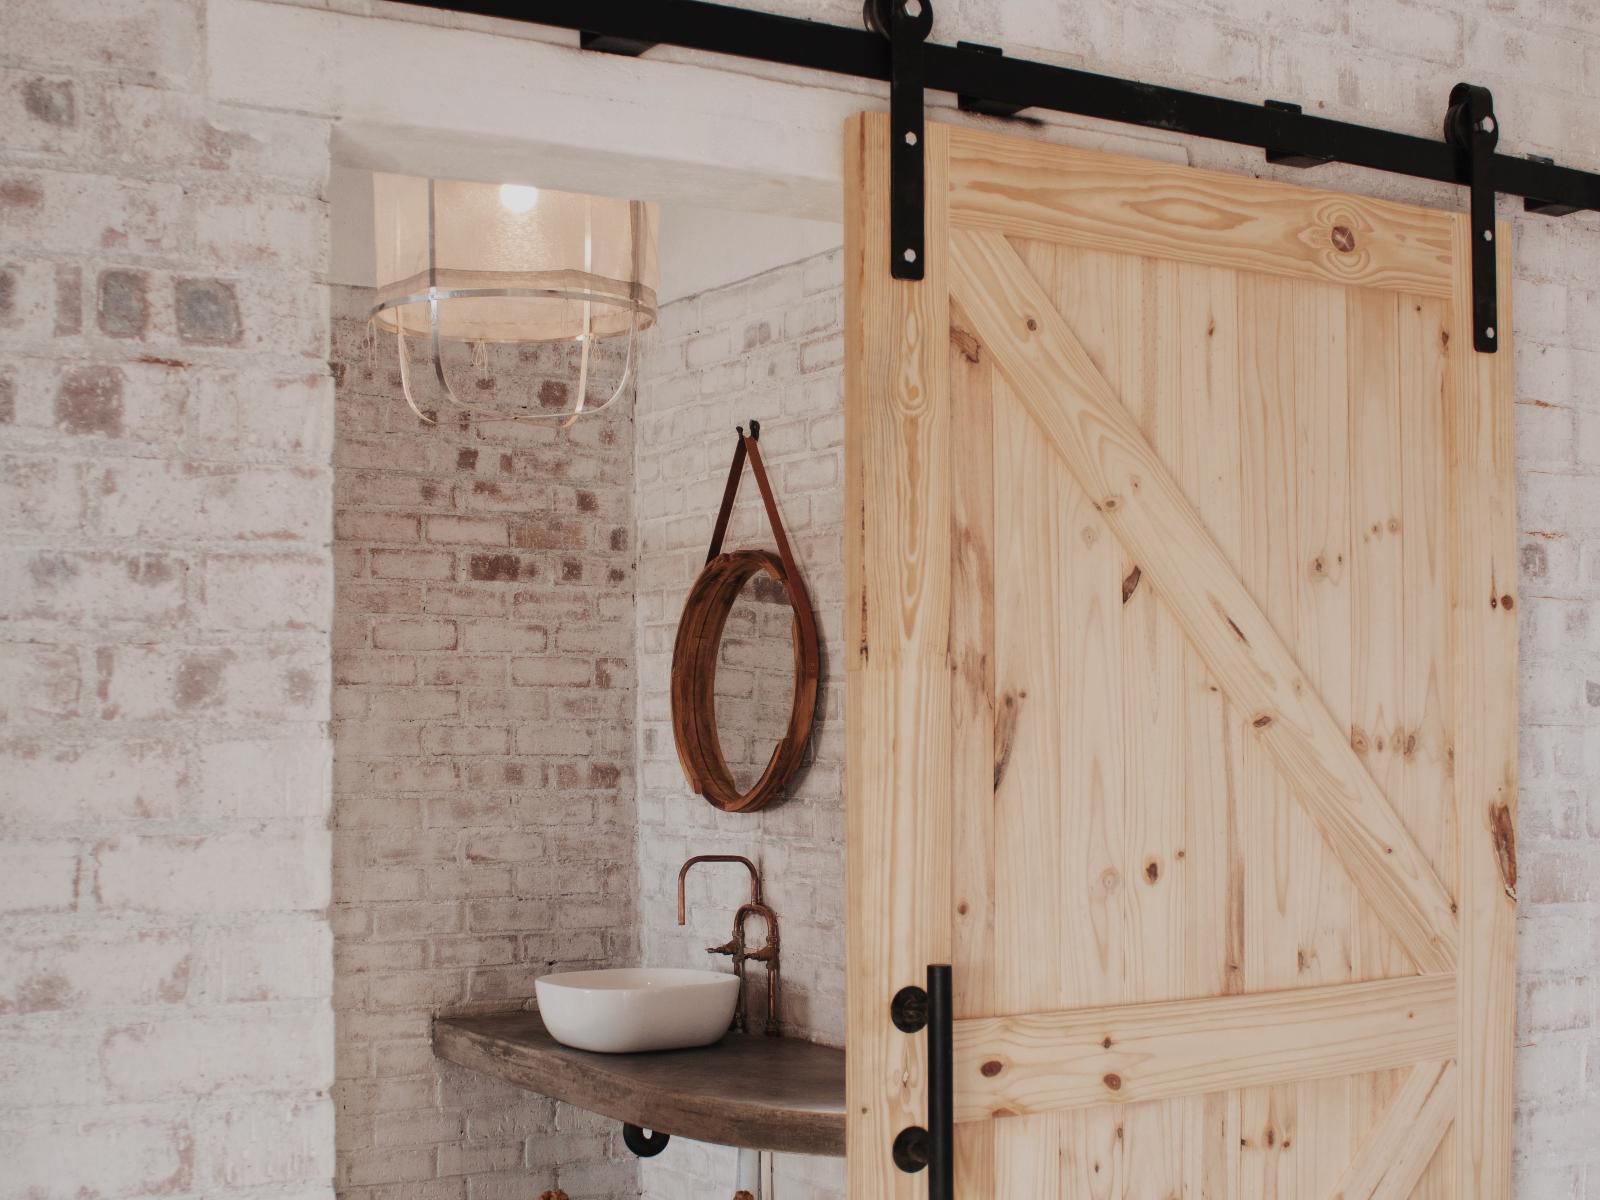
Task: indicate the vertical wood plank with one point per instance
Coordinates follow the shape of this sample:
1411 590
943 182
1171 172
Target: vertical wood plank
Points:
974 766
1028 1157
1379 525
1206 463
1479 432
898 575
1031 684
1095 890
1324 903
1427 394
1149 377
1269 560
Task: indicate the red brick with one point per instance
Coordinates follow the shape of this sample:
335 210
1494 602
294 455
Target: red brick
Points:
467 530
415 635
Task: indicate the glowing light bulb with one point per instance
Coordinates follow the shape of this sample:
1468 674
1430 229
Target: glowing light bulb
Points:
518 197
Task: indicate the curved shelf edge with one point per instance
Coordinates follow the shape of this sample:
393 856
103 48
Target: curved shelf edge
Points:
762 1093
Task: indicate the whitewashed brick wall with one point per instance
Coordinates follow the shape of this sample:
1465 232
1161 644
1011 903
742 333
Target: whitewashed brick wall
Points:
164 504
165 606
768 348
483 759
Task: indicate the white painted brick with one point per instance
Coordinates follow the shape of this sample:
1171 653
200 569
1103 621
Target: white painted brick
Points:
255 1145
238 683
206 874
252 1048
111 1153
39 875
148 499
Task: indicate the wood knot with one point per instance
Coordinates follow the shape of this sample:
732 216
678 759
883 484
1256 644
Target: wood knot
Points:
962 908
1152 870
1106 1044
1507 603
1343 240
1033 326
992 1068
1504 830
966 342
1113 1082
1262 721
1131 583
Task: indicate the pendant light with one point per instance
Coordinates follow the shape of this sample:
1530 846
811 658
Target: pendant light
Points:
475 264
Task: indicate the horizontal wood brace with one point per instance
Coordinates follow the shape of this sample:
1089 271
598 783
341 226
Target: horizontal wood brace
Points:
1041 1062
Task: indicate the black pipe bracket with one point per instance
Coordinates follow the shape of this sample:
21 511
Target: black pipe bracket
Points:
644 1145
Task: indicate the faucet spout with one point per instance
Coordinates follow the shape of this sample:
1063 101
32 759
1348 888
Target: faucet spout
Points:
736 947
683 871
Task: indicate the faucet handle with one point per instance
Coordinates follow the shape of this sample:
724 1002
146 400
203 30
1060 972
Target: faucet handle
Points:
731 949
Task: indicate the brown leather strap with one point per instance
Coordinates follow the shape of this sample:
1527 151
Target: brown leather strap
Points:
735 473
749 447
771 505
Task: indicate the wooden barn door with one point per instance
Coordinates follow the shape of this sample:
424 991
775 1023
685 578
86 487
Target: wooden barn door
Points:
1181 647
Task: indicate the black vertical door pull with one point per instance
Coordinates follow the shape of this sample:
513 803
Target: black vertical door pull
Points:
933 1148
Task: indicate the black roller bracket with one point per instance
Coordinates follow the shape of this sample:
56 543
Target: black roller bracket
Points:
1284 157
645 1145
930 1148
1470 127
907 24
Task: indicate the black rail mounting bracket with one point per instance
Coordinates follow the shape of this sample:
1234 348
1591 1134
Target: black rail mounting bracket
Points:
610 44
982 104
1284 157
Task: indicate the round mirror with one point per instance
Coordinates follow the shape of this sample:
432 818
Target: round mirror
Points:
754 689
744 680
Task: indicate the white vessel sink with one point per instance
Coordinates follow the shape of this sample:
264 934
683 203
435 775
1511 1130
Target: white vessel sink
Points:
625 1010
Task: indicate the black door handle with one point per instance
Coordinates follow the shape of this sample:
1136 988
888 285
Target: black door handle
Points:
915 1148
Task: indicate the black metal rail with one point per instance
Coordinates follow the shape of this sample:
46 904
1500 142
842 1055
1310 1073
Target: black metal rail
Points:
1014 84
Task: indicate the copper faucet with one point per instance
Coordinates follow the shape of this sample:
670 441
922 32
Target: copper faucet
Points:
735 946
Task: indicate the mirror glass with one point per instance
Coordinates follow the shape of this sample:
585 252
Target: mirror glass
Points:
755 677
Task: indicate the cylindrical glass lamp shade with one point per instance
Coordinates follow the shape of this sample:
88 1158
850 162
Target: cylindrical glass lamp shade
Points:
462 262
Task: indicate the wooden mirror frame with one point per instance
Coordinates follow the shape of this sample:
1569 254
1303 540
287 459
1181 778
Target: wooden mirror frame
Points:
694 680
